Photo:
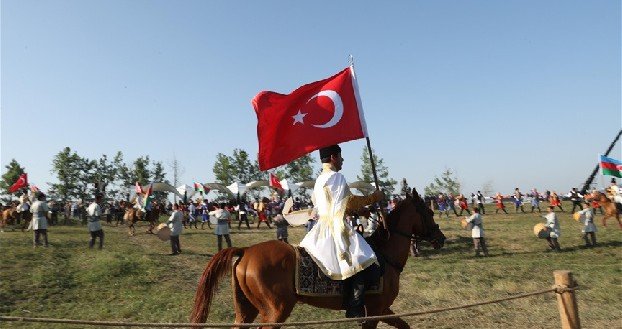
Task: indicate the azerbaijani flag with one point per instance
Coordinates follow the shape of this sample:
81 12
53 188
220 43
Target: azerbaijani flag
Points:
611 167
198 187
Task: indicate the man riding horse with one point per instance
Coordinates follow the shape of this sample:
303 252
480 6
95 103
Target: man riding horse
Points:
339 251
614 193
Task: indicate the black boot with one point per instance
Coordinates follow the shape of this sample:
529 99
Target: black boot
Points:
356 303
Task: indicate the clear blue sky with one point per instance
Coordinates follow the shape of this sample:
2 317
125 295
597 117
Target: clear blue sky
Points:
506 93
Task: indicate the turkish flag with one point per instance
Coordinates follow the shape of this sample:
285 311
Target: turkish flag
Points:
316 115
22 181
274 182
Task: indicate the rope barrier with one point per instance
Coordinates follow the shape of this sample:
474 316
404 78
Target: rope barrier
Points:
557 289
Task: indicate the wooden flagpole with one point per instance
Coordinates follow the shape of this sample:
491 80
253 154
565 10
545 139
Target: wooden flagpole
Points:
373 165
371 155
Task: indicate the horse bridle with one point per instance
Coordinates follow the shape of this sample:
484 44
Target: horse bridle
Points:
427 235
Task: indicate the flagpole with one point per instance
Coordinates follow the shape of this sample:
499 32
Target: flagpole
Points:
373 164
590 178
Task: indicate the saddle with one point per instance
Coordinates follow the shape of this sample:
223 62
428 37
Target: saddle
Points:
311 281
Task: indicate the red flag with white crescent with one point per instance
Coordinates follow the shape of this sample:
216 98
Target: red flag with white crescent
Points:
21 182
315 115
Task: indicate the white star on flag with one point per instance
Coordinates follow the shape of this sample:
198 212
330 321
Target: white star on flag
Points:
299 117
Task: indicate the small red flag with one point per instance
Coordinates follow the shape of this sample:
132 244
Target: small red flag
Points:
274 182
315 115
22 181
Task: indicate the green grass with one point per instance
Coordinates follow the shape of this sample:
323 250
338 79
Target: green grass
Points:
134 279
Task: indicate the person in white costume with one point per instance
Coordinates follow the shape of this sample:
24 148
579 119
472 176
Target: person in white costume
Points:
588 229
615 194
554 232
94 213
340 252
39 211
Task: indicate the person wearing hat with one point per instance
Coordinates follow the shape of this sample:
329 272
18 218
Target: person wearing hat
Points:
576 198
480 202
615 194
174 223
222 228
554 232
477 232
499 203
39 210
339 251
94 214
518 200
555 202
588 229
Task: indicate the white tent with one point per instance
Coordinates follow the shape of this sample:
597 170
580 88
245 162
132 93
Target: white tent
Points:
287 186
365 187
187 190
237 187
161 187
257 183
217 187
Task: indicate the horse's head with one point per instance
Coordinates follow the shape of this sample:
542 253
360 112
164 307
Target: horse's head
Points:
417 220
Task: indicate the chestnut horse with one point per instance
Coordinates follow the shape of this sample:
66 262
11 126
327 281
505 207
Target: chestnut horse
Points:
10 216
133 215
609 206
263 274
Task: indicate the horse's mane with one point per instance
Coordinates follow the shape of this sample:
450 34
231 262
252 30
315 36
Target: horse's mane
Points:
419 204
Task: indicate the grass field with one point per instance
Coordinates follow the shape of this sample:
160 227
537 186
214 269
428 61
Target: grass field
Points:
134 279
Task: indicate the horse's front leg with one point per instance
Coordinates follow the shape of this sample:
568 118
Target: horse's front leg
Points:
395 322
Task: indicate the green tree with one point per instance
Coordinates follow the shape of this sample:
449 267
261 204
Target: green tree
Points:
243 169
104 176
447 183
86 178
13 171
141 170
223 170
125 176
159 176
66 164
299 170
386 183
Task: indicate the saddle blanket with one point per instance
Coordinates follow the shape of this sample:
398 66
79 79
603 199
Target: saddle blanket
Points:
311 281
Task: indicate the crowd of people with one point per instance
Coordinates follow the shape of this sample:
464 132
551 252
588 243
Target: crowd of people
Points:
337 242
446 203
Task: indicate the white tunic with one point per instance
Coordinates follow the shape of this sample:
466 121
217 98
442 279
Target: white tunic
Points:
39 210
588 220
175 223
553 224
94 213
338 250
478 230
222 216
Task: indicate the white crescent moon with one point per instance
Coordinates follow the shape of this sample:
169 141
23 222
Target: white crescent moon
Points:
334 96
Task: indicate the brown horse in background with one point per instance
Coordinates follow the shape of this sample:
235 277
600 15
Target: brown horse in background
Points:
133 215
263 275
10 216
609 206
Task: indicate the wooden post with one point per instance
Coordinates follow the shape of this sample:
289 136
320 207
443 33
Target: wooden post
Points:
566 302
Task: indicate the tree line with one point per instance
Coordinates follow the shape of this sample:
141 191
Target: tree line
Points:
79 177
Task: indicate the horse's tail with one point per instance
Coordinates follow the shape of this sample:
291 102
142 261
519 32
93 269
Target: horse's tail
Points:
218 267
